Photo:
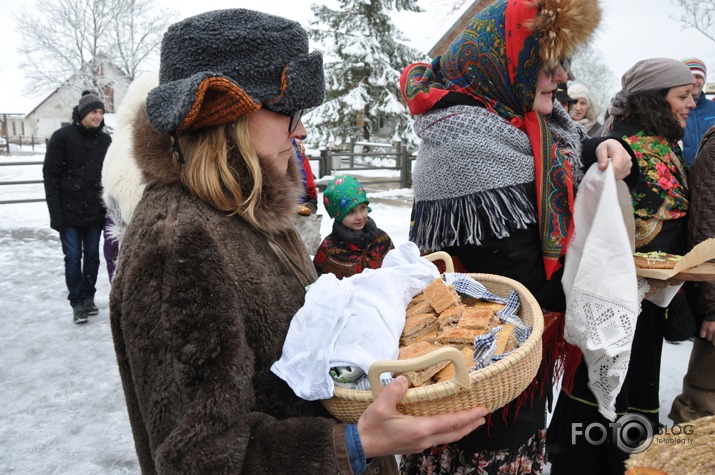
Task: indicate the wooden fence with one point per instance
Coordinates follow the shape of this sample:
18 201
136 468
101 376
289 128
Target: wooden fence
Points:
21 141
22 182
332 162
329 162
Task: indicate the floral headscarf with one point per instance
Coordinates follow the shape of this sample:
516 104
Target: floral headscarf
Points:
496 61
343 194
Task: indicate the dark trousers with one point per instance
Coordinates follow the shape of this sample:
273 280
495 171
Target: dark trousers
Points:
81 249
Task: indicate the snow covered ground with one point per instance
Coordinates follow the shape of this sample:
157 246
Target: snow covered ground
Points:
62 404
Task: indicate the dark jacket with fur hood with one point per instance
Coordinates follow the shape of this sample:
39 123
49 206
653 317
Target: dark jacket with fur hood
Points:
200 307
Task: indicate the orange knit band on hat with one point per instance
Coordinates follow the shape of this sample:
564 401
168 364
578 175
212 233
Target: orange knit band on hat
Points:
284 86
218 101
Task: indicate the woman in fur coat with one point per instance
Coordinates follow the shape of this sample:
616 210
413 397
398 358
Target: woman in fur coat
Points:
511 158
211 269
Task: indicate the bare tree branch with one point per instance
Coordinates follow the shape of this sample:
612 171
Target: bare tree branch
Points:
591 69
698 14
62 38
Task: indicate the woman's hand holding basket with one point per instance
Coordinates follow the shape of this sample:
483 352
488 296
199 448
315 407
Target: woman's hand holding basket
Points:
385 431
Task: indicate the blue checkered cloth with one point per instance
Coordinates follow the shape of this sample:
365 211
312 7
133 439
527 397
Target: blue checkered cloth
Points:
485 346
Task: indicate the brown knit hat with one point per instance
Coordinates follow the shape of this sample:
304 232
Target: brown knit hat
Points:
220 65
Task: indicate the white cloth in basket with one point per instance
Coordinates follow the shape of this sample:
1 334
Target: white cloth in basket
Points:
602 299
351 322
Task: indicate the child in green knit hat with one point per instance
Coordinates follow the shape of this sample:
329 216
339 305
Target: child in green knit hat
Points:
355 243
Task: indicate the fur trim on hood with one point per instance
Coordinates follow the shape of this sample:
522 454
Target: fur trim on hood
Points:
563 27
121 178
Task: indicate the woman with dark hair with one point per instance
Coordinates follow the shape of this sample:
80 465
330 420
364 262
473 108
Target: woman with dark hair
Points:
649 113
494 187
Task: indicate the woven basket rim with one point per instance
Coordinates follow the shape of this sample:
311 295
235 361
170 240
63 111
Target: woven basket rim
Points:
449 388
680 458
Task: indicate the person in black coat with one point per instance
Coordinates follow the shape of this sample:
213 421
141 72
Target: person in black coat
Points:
72 174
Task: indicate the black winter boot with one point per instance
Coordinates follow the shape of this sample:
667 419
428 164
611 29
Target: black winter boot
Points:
80 315
90 308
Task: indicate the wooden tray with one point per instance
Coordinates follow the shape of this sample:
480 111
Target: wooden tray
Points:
693 266
704 272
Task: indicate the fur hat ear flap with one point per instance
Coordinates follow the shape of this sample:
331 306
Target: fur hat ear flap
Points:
563 26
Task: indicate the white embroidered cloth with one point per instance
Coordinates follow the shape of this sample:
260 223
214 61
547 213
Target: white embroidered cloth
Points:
601 286
351 322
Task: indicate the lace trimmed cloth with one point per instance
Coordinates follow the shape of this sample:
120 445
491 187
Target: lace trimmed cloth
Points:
601 286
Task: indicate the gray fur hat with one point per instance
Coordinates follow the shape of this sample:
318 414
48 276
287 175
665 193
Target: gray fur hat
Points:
220 65
87 103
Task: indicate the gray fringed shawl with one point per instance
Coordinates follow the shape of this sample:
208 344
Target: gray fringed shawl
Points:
475 174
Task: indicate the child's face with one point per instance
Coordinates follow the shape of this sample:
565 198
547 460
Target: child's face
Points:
357 217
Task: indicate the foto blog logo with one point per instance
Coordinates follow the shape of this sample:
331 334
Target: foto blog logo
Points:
632 433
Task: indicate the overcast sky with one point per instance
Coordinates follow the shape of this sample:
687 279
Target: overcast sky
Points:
631 29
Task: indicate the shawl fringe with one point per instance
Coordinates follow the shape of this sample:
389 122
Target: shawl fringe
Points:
465 220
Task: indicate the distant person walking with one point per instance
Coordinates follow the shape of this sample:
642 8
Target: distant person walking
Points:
702 117
73 174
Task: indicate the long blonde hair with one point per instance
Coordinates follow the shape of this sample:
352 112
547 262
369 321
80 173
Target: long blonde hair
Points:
216 158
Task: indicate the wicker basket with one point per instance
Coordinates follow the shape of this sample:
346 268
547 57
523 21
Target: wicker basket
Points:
687 449
492 387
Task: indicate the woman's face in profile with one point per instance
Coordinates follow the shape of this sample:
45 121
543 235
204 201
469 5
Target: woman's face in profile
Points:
270 137
681 101
546 86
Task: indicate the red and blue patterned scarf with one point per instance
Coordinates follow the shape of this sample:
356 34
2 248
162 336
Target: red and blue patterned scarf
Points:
495 61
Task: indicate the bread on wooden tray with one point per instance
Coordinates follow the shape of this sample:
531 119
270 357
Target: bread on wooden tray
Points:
655 260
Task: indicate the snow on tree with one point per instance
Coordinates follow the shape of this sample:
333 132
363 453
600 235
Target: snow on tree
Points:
364 56
590 68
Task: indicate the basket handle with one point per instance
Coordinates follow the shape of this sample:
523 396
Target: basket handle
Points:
447 353
441 256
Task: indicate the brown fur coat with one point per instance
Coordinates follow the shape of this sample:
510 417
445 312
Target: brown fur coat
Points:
199 308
